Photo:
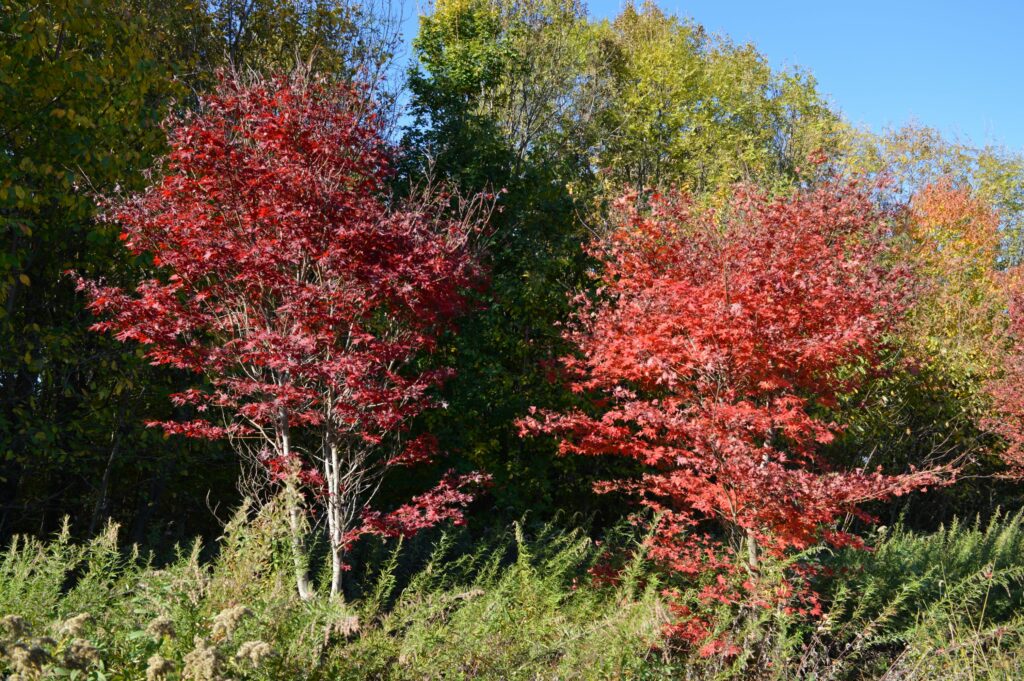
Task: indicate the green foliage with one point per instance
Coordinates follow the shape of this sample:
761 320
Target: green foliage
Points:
517 607
922 415
83 89
521 620
473 95
696 110
925 408
339 39
954 596
81 94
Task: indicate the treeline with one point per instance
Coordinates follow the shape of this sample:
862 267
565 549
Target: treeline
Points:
556 114
85 87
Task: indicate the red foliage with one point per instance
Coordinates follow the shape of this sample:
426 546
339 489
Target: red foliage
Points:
286 276
1008 391
713 355
426 510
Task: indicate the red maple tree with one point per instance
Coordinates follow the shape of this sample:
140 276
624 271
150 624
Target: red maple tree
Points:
286 276
713 354
1007 391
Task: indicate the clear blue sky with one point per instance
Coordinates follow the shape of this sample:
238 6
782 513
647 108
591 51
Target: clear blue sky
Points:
956 66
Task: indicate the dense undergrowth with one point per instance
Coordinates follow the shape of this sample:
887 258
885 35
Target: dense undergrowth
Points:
522 605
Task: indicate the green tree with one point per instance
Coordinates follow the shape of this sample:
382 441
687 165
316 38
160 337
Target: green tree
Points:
334 36
531 96
696 110
84 86
81 101
502 96
915 156
961 209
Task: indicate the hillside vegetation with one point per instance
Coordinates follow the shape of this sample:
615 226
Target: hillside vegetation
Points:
569 348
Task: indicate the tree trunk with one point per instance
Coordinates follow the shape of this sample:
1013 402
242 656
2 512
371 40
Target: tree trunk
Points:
148 502
335 520
337 568
294 501
298 542
101 510
751 549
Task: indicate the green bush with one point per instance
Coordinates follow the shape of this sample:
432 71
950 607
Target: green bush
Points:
515 608
520 605
946 604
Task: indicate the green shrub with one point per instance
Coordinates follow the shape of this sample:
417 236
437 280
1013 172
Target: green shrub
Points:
519 605
942 604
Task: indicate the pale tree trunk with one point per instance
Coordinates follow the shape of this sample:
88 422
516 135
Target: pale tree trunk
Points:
293 500
751 549
298 542
335 518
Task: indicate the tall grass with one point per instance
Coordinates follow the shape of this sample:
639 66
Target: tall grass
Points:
944 605
519 605
511 609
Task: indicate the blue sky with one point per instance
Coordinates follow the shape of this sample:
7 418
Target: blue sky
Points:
956 66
